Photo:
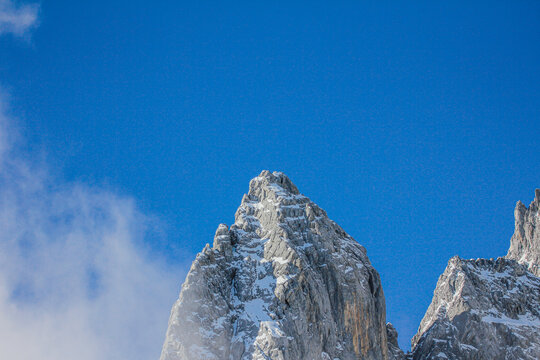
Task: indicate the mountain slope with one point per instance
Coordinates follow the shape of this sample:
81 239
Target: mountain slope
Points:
283 282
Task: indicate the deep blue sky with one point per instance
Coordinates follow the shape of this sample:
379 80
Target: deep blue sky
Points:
416 126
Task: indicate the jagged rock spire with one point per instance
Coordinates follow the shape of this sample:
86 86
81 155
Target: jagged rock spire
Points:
525 243
394 351
283 282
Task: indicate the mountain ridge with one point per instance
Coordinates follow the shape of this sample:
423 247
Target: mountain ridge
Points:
285 282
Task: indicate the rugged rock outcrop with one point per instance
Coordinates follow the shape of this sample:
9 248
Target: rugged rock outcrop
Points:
525 243
283 282
488 309
394 351
482 309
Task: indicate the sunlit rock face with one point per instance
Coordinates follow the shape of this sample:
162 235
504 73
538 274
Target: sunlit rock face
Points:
488 309
482 309
525 243
283 282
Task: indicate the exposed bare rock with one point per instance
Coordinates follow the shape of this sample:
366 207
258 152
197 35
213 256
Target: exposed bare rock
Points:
482 309
394 351
525 243
284 282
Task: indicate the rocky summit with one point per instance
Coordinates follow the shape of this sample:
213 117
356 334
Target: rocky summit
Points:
283 282
525 243
488 309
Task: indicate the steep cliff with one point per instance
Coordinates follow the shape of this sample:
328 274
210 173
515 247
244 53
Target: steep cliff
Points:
283 282
525 243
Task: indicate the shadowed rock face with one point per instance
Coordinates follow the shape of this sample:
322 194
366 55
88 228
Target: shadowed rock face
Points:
525 243
283 282
394 352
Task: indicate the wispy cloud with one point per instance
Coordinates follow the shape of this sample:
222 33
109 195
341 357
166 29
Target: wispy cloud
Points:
17 19
75 280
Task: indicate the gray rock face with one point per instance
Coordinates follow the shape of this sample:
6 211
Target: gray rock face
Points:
482 309
525 243
284 282
394 351
488 309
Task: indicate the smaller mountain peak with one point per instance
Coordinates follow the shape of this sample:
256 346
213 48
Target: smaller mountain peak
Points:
536 202
525 243
222 240
393 348
222 229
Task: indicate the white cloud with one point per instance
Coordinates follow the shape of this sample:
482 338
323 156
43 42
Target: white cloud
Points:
75 280
17 19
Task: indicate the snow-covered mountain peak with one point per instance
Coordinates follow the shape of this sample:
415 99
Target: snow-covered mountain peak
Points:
283 282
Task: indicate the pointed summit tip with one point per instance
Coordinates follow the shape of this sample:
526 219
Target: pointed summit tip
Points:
222 229
536 201
267 178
